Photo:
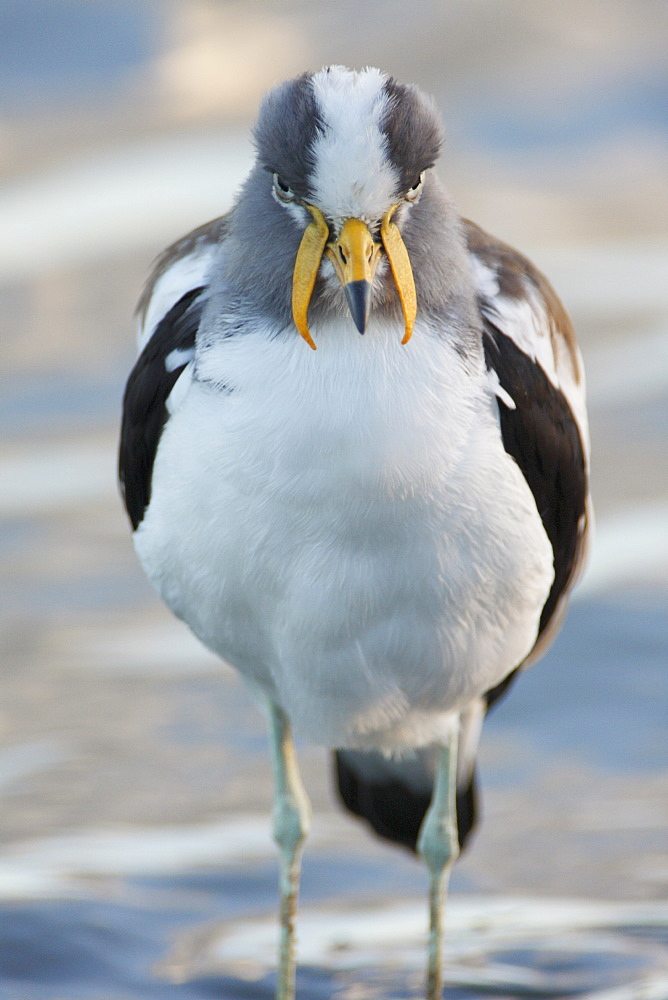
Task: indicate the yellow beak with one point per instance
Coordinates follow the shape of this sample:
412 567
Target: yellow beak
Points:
355 255
355 258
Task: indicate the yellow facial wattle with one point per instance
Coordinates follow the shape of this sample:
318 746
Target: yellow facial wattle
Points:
355 255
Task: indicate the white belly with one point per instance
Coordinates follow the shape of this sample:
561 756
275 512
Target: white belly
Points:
345 528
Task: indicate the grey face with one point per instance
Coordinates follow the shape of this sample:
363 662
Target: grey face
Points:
341 184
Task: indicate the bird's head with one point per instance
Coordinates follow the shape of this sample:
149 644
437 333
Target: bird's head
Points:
345 156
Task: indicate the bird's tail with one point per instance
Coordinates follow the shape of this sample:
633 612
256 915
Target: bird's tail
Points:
393 795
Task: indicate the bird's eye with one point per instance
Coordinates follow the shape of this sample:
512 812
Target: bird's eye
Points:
281 189
414 190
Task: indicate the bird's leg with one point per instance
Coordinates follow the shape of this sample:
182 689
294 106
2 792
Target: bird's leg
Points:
439 847
292 819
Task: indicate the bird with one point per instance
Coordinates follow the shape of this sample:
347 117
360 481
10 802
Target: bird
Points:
379 532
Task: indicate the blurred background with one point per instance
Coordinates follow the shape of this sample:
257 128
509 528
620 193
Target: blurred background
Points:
135 855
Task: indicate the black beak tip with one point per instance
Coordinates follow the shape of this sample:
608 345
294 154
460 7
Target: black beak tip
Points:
358 295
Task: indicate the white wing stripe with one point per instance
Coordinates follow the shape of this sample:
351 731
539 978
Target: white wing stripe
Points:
181 277
525 322
179 356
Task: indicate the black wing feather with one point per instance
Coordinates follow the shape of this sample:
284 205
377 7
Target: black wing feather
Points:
542 436
145 401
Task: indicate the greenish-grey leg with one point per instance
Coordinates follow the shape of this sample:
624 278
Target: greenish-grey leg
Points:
292 819
439 847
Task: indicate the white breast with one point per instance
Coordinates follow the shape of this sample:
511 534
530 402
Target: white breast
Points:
345 527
